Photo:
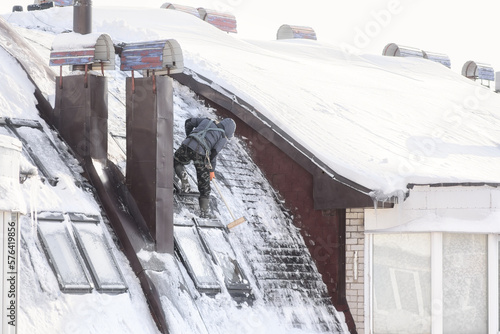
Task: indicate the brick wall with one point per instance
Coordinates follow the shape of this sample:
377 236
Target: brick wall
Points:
355 256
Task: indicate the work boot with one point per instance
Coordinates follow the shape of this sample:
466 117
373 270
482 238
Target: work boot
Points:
182 175
205 208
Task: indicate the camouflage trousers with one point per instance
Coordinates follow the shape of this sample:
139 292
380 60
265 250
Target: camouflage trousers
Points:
184 155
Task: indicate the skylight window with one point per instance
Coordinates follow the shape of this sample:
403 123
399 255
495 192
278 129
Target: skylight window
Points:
203 244
194 257
63 255
83 262
214 235
37 147
96 251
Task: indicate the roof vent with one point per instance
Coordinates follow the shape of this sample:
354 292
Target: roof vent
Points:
224 21
438 58
163 57
474 70
181 8
395 50
290 32
94 49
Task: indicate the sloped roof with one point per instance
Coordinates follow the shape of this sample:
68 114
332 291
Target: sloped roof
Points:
382 122
379 121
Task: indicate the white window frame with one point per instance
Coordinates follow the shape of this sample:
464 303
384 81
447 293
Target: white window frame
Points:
436 283
493 280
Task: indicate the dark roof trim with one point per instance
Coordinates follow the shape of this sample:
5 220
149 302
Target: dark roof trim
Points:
330 189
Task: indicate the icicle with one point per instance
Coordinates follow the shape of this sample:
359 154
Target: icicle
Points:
33 205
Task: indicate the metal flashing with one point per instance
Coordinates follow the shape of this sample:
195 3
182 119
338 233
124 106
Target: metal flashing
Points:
149 177
203 222
133 237
120 140
183 222
82 217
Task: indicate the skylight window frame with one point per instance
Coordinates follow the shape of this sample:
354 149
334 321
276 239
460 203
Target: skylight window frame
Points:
85 285
100 285
11 125
240 291
211 288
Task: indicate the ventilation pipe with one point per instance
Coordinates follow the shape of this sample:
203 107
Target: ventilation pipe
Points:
82 16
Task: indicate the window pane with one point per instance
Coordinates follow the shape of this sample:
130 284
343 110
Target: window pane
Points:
402 283
465 302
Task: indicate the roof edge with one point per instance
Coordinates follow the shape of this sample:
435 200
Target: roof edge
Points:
326 196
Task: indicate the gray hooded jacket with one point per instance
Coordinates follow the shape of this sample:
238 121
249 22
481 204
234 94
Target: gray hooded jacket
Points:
216 140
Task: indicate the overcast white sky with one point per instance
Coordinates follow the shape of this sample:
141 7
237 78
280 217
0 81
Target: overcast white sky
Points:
462 30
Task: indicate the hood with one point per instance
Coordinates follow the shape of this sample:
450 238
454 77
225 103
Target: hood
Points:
229 127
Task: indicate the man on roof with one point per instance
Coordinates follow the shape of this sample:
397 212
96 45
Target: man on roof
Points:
205 138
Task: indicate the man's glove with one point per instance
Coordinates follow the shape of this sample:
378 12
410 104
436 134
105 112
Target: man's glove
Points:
212 175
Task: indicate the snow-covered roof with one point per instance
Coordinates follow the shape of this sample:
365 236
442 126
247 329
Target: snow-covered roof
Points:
187 311
455 209
382 122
